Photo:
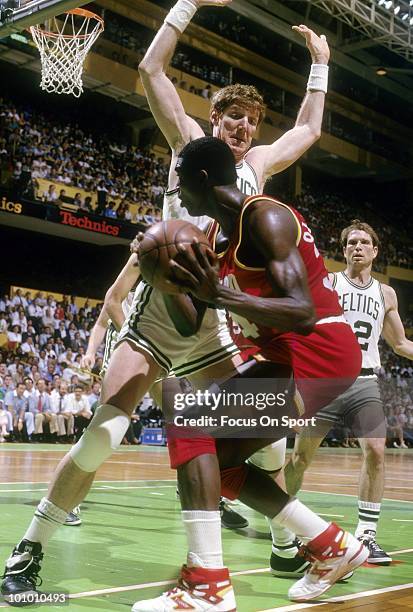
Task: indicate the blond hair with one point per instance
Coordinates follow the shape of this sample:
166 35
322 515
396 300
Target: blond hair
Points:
245 95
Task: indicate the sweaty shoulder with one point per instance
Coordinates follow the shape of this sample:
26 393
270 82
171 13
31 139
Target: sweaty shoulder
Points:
268 220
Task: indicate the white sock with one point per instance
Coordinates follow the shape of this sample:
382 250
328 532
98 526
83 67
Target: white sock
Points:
282 539
369 514
203 532
301 520
47 518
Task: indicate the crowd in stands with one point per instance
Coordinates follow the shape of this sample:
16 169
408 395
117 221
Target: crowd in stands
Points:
33 146
328 213
135 37
45 393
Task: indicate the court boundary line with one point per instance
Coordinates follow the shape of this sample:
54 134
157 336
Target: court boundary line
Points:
46 482
390 499
148 585
339 600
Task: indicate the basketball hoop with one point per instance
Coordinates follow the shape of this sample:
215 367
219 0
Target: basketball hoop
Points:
63 46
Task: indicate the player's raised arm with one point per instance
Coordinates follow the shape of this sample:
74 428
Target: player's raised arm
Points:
164 101
393 330
273 233
120 289
270 159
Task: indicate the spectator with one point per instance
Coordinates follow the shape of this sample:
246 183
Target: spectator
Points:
14 338
61 405
78 200
110 210
78 405
395 427
43 412
50 196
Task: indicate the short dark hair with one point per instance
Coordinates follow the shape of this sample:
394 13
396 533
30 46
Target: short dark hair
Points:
210 154
356 224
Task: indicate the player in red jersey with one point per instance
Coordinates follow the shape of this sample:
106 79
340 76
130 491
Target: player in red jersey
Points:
272 278
276 285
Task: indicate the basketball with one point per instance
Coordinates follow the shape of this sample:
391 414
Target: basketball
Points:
160 245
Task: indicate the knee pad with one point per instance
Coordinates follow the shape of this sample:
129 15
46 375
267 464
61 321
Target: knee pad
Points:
101 438
181 450
232 481
270 458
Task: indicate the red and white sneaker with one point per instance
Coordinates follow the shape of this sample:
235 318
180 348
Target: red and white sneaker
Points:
199 590
334 554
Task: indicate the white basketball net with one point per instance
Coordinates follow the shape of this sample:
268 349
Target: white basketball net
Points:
63 48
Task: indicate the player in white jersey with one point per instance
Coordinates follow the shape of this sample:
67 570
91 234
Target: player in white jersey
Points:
371 309
138 360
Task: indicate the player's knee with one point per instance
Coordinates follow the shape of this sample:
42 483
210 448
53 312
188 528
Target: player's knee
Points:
270 458
374 452
101 438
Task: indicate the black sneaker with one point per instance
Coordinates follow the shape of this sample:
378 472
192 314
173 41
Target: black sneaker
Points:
229 518
73 518
287 562
21 574
377 554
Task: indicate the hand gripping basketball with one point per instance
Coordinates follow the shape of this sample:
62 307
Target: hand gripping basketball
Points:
162 243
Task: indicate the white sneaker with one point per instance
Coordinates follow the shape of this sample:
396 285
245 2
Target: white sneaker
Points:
403 445
334 553
199 590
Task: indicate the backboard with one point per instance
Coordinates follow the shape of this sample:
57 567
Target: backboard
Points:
17 15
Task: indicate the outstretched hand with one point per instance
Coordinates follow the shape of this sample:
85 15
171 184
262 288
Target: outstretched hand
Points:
196 272
317 45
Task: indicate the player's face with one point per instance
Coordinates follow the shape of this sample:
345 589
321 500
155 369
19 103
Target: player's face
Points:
359 250
191 199
236 126
193 196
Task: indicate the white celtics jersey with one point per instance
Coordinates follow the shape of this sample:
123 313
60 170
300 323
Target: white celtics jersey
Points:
364 309
246 182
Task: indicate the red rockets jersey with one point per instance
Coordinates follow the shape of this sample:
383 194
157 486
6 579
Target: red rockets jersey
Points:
253 281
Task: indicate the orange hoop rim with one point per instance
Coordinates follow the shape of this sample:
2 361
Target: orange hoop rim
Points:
76 11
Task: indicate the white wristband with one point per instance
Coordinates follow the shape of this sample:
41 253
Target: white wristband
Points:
318 79
181 14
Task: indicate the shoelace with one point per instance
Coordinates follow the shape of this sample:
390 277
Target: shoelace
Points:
174 591
372 544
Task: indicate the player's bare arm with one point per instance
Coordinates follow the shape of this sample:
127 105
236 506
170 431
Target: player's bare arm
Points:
273 234
271 159
120 289
95 339
393 330
164 101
